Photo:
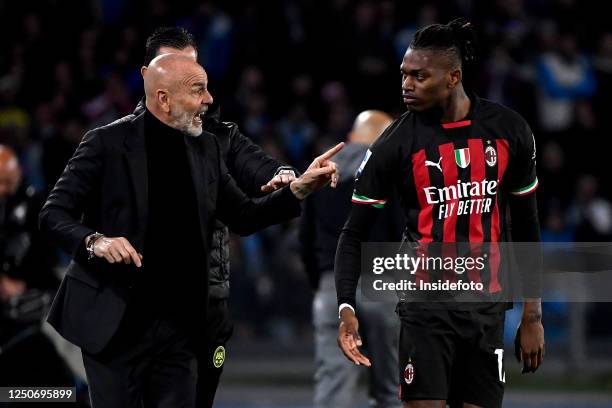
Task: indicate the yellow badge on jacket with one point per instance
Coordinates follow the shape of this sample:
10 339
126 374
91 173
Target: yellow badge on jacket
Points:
219 356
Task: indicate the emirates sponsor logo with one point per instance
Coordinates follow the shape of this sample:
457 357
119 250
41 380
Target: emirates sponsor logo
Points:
470 197
467 189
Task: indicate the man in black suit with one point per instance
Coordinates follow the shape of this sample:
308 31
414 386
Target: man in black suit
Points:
135 206
255 173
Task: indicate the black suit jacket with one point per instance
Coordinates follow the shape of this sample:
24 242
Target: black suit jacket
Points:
104 188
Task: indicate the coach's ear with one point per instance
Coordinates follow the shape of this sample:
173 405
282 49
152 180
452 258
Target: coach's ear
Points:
163 99
454 78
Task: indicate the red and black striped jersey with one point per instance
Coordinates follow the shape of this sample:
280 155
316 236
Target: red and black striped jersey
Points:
453 179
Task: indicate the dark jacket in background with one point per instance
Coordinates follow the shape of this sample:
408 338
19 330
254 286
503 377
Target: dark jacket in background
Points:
251 168
27 356
104 189
24 254
326 211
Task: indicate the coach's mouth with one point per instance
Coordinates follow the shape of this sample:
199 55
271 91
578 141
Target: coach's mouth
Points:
199 117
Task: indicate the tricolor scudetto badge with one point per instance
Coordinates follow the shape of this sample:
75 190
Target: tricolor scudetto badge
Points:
462 157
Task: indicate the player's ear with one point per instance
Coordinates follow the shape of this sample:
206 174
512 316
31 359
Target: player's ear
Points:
454 77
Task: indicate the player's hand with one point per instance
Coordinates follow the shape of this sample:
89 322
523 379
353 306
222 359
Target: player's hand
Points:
117 250
321 172
277 182
529 345
349 339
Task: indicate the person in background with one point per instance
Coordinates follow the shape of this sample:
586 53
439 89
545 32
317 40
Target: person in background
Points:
325 212
27 282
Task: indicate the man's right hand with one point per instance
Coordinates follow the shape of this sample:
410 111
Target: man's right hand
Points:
116 250
349 339
321 172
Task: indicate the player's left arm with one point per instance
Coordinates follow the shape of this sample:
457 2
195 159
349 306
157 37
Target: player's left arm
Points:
529 343
525 227
373 185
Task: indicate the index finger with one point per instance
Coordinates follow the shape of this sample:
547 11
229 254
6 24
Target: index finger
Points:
345 348
135 258
350 350
331 152
361 359
540 359
133 254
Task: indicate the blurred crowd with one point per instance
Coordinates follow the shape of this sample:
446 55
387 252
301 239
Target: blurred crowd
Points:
293 75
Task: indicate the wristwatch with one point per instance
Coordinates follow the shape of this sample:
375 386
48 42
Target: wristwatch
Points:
91 240
285 170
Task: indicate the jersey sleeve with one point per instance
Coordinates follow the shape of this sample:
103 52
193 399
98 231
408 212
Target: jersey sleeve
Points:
373 179
523 178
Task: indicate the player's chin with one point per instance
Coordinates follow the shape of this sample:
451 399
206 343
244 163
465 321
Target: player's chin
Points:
414 105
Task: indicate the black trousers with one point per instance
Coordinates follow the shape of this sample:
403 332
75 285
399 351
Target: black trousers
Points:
153 362
219 329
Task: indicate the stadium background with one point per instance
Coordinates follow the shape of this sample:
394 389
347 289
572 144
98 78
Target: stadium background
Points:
293 75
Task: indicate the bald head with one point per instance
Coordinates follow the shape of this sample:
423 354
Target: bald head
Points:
176 92
188 51
368 126
169 71
10 173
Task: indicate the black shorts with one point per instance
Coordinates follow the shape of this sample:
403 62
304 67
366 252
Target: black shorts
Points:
449 355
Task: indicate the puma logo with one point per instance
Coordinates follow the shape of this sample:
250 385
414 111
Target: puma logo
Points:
432 164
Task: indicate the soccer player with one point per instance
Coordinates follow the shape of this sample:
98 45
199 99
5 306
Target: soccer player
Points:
448 137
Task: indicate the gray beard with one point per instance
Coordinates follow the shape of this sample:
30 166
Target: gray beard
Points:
183 122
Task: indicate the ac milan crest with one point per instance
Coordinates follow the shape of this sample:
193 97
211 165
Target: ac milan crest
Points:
490 156
409 373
